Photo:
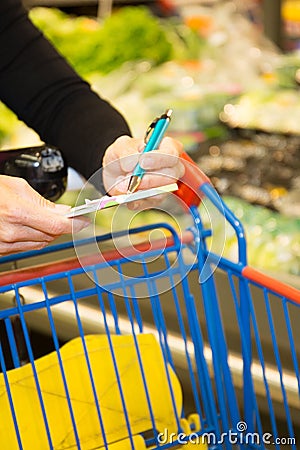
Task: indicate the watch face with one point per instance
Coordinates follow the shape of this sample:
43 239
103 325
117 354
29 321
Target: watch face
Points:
52 160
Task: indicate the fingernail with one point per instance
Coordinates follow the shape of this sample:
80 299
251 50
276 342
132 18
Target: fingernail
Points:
80 224
129 162
146 162
141 147
121 184
133 206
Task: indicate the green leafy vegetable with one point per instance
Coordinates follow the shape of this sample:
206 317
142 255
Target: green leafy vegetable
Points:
129 34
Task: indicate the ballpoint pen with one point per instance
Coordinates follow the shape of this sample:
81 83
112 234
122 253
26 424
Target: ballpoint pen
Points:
154 135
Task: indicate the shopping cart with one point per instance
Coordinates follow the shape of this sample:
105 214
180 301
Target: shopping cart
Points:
158 344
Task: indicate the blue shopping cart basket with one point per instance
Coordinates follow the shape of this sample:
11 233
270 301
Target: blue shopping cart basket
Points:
155 345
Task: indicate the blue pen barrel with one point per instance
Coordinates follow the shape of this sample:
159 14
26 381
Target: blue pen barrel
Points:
154 140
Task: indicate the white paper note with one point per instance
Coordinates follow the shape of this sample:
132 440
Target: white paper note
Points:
106 202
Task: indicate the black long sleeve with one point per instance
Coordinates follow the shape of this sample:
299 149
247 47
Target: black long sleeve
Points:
46 93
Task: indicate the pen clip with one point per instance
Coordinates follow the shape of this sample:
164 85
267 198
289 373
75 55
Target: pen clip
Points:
152 125
150 130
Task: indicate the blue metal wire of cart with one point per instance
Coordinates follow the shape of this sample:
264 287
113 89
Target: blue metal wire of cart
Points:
153 347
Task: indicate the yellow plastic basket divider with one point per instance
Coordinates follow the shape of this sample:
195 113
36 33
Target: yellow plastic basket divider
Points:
27 406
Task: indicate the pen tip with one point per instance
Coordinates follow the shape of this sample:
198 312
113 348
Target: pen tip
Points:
133 184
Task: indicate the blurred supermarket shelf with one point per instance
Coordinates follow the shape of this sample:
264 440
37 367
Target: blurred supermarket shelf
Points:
104 8
271 10
71 3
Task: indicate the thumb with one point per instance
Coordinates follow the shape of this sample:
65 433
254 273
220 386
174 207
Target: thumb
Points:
35 198
60 208
42 202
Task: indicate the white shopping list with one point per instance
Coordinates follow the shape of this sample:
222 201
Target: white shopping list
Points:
106 201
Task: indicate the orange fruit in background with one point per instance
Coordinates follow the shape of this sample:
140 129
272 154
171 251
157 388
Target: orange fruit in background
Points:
291 11
203 24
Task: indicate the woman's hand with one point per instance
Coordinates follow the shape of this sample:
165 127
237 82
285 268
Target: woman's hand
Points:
27 220
163 166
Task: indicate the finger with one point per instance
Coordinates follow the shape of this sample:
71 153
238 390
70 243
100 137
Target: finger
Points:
78 223
61 208
53 224
133 206
29 195
17 247
123 154
171 146
23 233
35 212
168 155
150 180
18 239
151 202
161 177
120 186
27 208
20 233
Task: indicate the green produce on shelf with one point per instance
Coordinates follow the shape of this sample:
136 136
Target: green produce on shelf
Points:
273 239
272 110
129 34
76 38
288 71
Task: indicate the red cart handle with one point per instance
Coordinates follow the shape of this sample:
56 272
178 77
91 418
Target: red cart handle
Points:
189 184
64 265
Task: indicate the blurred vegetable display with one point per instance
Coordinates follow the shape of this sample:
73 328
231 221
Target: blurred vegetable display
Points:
271 110
129 34
288 71
273 239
